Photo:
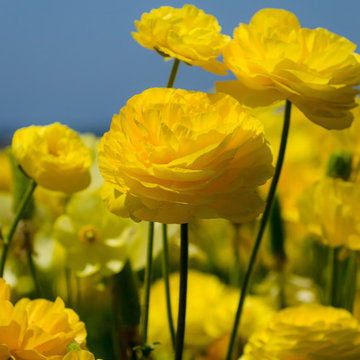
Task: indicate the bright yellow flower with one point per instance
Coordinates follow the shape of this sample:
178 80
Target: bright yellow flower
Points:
187 34
54 156
331 210
37 329
274 58
211 306
94 239
174 155
307 332
4 290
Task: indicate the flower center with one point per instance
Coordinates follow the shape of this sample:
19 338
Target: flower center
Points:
89 235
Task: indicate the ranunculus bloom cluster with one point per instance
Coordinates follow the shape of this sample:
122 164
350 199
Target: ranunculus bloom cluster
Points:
187 34
211 307
274 58
54 156
37 329
174 155
307 332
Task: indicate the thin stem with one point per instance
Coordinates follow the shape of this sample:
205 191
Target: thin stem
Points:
147 283
32 266
184 259
332 271
235 271
126 313
165 262
173 73
350 283
69 287
18 216
78 292
165 269
263 223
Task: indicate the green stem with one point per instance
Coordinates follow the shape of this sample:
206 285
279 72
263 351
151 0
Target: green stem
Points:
125 312
350 283
173 73
18 216
277 240
263 223
165 269
235 271
69 287
332 271
32 267
78 292
147 283
184 259
165 262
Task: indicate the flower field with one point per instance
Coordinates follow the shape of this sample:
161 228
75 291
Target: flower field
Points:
201 226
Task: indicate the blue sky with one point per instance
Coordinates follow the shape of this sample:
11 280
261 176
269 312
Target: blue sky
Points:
75 61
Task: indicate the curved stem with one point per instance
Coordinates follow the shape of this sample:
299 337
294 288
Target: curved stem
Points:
147 283
165 269
173 73
18 216
263 223
184 258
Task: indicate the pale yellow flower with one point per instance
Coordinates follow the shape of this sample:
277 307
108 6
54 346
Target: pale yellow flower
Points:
54 156
6 175
94 239
330 209
174 155
274 58
306 332
37 329
187 34
79 355
211 306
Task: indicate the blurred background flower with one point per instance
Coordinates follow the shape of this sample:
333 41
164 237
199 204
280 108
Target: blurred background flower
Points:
306 332
211 306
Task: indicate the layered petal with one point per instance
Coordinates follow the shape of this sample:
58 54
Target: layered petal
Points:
274 58
54 156
187 34
174 155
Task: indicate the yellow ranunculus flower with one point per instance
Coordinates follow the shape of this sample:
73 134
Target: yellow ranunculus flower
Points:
175 155
54 156
306 332
187 34
331 210
211 306
37 329
274 58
